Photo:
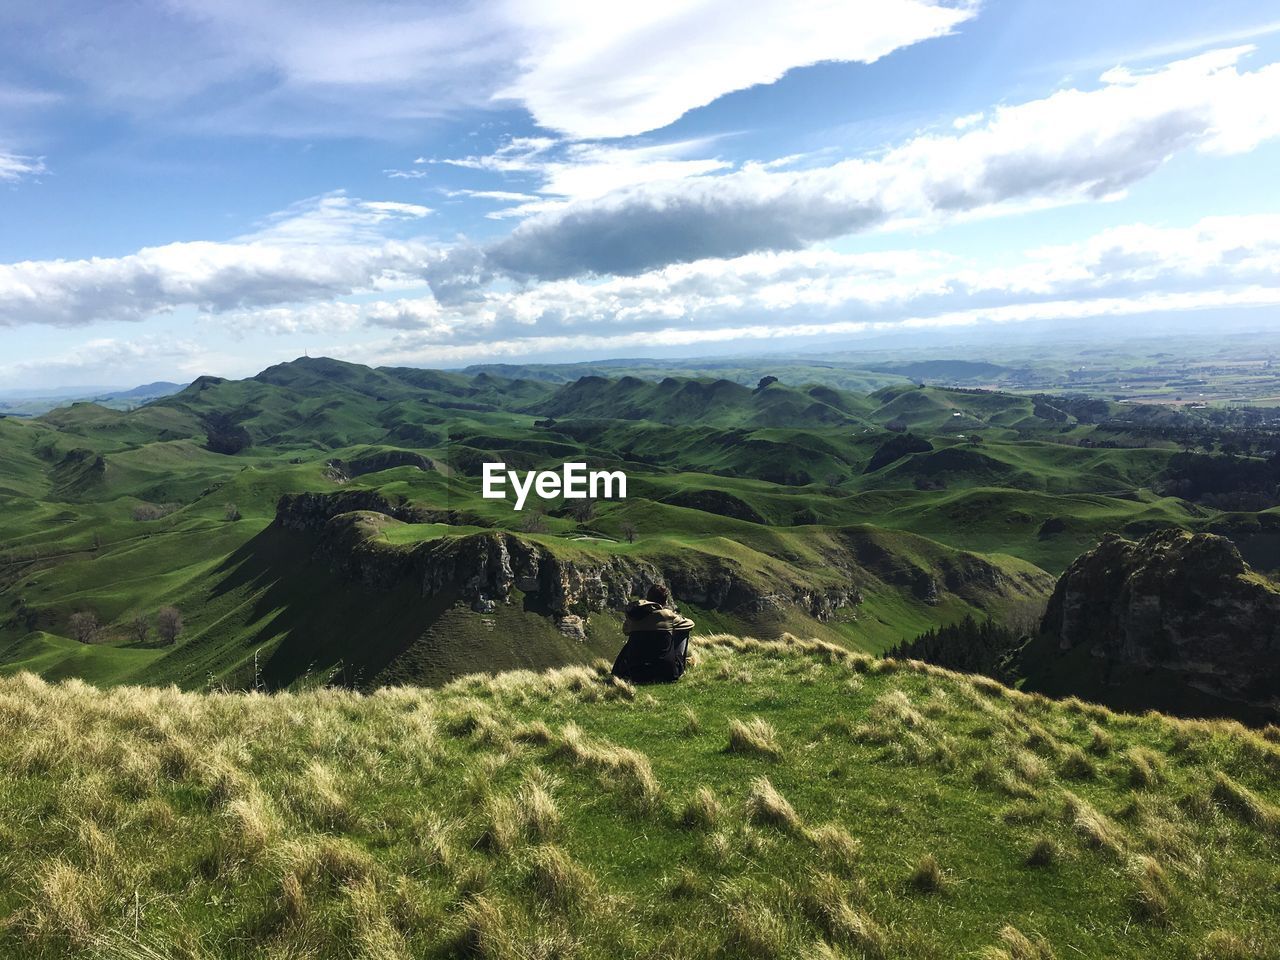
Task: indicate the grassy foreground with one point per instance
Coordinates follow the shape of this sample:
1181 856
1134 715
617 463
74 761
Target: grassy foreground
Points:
786 799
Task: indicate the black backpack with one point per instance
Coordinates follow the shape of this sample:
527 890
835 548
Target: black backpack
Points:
653 656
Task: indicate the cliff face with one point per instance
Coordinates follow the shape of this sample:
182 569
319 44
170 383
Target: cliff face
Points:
495 567
1175 621
485 569
375 462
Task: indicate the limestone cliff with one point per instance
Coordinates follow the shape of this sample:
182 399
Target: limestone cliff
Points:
495 567
1176 622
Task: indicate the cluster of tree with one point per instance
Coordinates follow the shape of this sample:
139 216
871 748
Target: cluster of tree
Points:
969 646
1084 408
1223 481
223 435
154 511
85 627
1233 431
895 448
534 521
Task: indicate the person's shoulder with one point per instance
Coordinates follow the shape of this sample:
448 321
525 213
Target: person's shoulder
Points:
674 617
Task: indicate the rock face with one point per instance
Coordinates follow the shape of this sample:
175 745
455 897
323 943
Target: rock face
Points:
310 512
485 569
1175 622
383 460
716 501
495 567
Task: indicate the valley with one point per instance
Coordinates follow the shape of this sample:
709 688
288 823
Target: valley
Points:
323 522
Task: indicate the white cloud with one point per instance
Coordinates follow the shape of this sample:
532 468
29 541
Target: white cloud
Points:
324 248
1223 262
585 171
1071 146
14 166
112 360
286 68
308 68
427 349
335 218
316 318
596 70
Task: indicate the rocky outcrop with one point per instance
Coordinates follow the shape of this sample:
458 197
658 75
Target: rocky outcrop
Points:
717 502
486 569
1175 621
382 460
78 473
311 511
496 567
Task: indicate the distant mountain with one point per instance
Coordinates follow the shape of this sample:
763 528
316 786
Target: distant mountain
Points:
842 375
949 370
719 402
161 388
32 403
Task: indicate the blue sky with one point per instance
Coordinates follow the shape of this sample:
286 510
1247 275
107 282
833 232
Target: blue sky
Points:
193 188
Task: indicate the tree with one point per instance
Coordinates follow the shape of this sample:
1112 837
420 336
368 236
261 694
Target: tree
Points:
232 512
582 510
169 624
765 381
223 435
534 522
628 530
139 628
85 626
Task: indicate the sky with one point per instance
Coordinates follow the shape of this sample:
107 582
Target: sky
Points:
196 188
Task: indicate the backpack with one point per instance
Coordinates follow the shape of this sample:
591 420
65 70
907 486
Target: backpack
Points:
653 656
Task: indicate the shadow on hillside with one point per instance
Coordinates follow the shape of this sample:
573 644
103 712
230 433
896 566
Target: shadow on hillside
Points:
315 621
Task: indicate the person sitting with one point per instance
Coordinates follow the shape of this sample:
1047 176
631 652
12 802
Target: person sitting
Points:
657 647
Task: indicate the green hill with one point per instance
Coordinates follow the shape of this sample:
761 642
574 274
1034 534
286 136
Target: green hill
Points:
783 800
788 492
717 402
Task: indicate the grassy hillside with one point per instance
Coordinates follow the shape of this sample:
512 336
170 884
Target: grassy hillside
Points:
784 800
783 486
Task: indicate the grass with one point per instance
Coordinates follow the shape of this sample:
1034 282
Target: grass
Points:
755 736
785 508
480 819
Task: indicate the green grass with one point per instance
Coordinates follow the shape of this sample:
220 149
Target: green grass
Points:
767 487
783 800
58 658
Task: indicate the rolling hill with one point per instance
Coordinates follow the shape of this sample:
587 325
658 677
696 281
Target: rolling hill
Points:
785 799
860 519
